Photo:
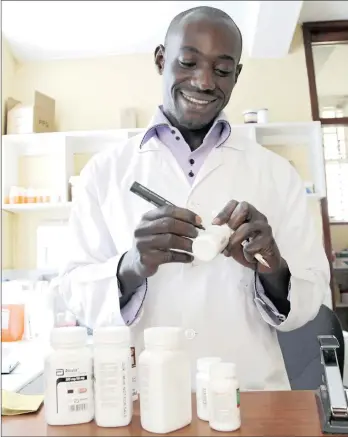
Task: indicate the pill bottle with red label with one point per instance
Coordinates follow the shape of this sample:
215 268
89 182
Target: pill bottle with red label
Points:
68 378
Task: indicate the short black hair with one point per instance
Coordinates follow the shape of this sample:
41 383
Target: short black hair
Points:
205 11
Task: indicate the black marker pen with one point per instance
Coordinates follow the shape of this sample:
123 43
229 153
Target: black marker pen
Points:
152 197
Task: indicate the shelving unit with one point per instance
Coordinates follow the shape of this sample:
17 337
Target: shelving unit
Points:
59 149
54 150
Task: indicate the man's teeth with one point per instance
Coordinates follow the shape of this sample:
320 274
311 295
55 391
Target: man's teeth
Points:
199 102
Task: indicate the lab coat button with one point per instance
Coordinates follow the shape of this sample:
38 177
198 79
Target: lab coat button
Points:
190 334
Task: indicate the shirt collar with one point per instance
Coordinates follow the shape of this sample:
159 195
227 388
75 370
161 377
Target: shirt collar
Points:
160 120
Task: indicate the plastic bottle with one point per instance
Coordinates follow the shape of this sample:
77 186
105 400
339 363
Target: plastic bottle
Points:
112 376
202 385
164 381
69 378
210 242
14 196
224 403
12 322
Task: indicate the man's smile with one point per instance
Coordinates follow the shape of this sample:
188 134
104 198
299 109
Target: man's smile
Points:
197 103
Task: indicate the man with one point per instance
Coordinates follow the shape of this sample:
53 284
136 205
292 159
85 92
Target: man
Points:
130 263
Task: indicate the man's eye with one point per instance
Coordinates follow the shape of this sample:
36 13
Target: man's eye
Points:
222 72
187 64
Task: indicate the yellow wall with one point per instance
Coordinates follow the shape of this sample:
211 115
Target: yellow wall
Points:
339 237
90 93
7 79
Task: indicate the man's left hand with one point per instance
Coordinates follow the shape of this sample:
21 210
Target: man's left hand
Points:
252 226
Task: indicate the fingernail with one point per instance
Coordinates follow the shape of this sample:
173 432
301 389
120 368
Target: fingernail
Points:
198 220
216 221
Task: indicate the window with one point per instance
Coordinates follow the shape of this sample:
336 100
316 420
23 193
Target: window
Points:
335 140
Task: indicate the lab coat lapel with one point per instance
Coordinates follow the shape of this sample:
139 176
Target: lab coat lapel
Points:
212 163
174 179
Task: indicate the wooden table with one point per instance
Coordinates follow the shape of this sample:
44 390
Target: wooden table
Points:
292 413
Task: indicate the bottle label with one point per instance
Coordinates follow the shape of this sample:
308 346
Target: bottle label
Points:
73 390
134 374
225 406
112 386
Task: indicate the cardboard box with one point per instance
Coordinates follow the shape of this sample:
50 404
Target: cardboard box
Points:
27 119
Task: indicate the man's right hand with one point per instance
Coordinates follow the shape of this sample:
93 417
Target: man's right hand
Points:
160 233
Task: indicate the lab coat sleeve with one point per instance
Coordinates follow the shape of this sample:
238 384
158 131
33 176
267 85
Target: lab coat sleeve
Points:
88 283
262 300
301 247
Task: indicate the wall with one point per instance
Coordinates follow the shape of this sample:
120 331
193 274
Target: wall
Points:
90 93
8 72
339 237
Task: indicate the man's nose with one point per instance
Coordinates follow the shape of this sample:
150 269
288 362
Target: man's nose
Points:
203 80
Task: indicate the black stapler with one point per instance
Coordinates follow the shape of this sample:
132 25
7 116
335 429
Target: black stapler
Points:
331 396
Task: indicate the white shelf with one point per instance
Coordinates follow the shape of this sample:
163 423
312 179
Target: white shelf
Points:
36 207
290 134
52 142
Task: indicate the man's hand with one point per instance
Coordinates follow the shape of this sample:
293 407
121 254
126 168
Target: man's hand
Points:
251 226
160 233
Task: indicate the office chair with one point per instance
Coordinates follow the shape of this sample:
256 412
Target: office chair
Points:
301 352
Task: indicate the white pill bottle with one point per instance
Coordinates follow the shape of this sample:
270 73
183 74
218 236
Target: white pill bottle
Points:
164 381
202 385
211 242
112 376
224 398
68 378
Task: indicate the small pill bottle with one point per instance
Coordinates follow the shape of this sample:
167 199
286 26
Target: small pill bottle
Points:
224 399
250 116
68 378
210 242
112 376
202 385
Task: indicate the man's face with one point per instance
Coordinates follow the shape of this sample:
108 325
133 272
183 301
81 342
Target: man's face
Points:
200 69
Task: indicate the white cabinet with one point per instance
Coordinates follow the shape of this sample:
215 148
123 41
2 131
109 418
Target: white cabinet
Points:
49 158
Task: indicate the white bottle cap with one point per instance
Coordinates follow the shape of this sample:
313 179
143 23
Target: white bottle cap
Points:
115 335
71 336
223 370
168 337
205 247
203 364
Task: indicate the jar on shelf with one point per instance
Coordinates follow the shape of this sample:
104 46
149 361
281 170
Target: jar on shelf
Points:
74 187
250 116
14 195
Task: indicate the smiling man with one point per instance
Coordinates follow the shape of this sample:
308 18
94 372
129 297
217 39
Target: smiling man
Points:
130 263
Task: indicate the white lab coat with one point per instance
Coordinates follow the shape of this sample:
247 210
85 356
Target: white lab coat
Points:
213 302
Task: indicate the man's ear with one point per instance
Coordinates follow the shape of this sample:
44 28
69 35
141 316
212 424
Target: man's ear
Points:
238 70
159 58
